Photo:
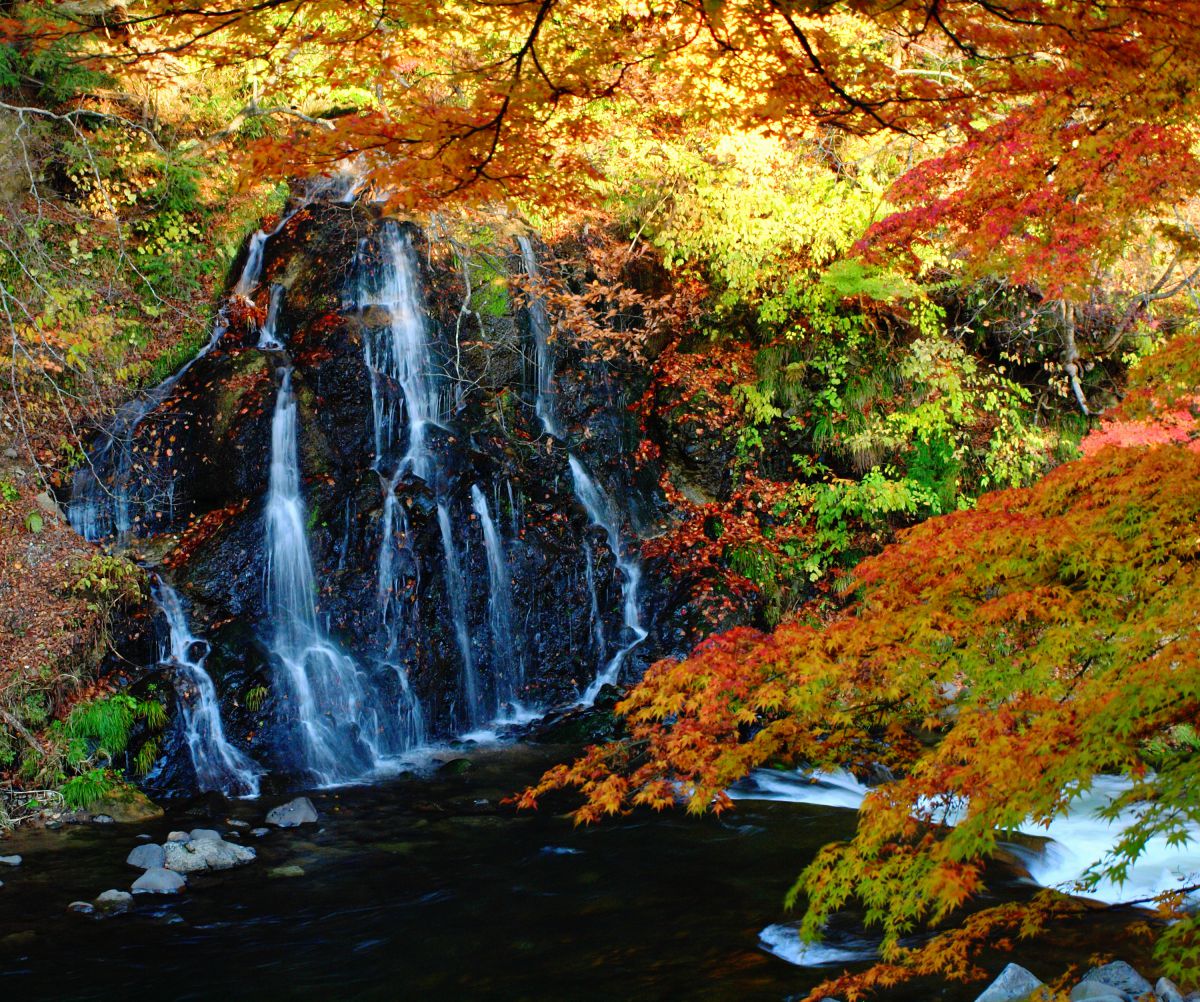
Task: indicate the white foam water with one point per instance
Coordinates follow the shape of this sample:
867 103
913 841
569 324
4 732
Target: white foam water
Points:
1075 842
219 765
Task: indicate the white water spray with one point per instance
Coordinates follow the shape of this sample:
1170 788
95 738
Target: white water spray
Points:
600 510
218 764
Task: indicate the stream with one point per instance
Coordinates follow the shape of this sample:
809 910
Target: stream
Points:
427 887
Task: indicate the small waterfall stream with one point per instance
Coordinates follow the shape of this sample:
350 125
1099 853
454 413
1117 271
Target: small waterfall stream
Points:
108 488
267 340
473 710
539 325
340 728
591 495
218 764
507 670
600 510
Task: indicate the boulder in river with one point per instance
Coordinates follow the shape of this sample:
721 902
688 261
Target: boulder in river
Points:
1014 983
296 812
10 860
205 835
127 806
1094 991
82 908
159 881
1167 990
114 902
1118 975
205 854
146 857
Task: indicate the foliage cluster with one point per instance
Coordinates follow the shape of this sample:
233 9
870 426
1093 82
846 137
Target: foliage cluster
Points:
84 750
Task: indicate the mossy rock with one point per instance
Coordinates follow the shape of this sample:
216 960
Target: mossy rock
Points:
128 806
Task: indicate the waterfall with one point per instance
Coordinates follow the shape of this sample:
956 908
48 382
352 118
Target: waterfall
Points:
218 764
426 652
473 710
600 510
397 355
252 270
103 505
507 670
343 727
591 495
539 325
595 620
266 338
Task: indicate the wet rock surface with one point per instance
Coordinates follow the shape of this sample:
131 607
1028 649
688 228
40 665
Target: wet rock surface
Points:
194 467
296 812
146 857
158 880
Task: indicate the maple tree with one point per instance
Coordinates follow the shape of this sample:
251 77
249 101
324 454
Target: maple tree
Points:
1058 128
1043 638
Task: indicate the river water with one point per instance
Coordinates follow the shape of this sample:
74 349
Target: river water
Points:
427 887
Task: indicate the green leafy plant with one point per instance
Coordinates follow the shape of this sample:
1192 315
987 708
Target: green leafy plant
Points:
255 698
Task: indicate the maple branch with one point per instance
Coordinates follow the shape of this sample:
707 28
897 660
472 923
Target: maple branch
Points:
866 107
252 111
1071 357
1142 301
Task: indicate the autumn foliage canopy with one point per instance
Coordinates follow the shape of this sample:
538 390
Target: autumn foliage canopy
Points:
1049 132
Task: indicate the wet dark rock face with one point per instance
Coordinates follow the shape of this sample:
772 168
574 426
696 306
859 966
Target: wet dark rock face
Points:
202 471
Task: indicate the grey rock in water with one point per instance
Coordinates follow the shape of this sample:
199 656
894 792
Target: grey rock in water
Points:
296 812
291 870
113 902
179 837
234 823
206 854
103 819
10 860
260 832
159 881
1167 990
1118 975
82 908
1094 991
205 835
1013 983
146 857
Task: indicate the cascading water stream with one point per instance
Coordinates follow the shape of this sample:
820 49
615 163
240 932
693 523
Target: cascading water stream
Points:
595 620
342 729
600 510
507 669
218 764
473 709
266 338
591 495
398 354
539 325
